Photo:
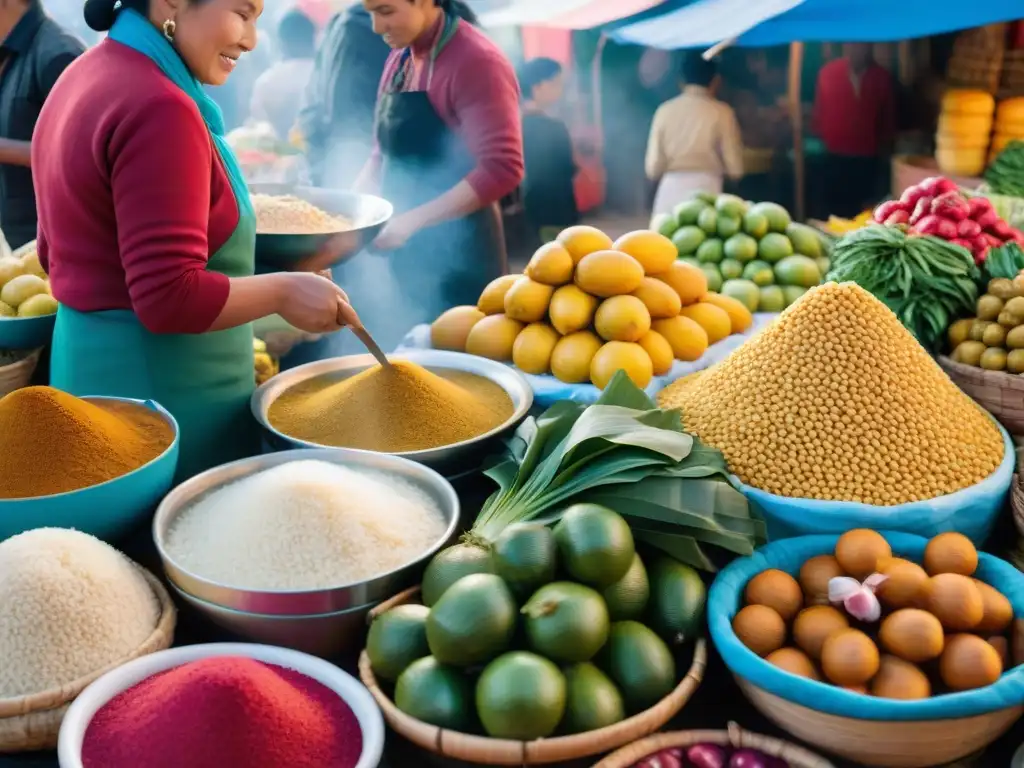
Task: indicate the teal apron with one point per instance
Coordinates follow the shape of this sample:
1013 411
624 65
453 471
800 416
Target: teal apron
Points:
205 380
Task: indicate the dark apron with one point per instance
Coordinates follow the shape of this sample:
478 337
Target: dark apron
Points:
439 267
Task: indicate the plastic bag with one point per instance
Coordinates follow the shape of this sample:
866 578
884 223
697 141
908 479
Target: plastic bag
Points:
972 511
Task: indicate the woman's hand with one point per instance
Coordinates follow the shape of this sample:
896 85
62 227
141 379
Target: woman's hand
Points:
312 303
396 233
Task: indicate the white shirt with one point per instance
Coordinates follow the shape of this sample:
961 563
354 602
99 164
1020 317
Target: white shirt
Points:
277 94
694 133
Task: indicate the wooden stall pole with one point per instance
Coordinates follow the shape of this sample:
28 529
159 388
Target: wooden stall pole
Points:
796 118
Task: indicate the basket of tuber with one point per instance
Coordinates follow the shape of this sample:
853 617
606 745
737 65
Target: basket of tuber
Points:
904 652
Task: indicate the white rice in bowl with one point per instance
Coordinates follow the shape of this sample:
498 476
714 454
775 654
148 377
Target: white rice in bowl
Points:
70 606
305 525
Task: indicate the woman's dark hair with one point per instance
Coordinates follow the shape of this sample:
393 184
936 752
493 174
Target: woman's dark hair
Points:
458 8
537 71
100 14
696 70
297 35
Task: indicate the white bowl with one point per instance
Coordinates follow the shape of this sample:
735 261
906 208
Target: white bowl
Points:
93 698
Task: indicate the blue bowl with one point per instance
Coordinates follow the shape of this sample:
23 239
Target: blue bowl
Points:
107 510
725 599
26 332
971 511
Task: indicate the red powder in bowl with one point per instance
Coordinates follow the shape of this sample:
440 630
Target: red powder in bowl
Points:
224 712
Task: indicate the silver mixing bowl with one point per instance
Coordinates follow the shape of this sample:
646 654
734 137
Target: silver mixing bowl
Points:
449 460
292 603
324 634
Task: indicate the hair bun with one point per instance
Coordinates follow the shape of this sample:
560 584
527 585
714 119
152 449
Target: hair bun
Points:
99 14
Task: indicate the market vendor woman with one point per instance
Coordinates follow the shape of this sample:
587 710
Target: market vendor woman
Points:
448 148
146 228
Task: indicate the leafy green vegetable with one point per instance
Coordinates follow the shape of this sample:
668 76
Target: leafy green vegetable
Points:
1005 261
927 282
1005 176
627 454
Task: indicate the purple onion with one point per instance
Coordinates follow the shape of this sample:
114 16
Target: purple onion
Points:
706 756
748 758
667 758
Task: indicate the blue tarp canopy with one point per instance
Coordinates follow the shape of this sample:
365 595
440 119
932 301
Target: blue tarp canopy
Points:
703 23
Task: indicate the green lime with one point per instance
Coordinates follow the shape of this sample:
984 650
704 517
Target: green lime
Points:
713 275
687 239
595 544
731 205
524 556
592 700
772 299
677 600
627 598
566 622
729 225
686 213
448 566
759 273
777 216
473 622
744 291
710 251
798 270
435 694
708 221
397 639
640 665
755 224
664 224
730 269
792 293
520 696
741 247
805 240
774 247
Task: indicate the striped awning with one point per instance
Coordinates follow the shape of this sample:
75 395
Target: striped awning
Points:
559 14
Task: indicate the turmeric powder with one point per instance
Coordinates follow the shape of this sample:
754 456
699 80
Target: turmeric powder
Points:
52 442
391 410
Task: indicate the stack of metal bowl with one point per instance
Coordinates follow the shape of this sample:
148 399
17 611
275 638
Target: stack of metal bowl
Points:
323 622
450 460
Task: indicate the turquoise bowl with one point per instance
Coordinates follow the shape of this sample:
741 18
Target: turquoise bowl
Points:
26 332
107 510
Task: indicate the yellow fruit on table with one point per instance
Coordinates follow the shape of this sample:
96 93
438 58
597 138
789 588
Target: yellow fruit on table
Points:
527 300
572 355
961 162
688 340
655 252
6 310
21 289
618 356
37 306
551 264
532 351
492 300
658 297
609 273
452 328
582 241
968 102
714 320
622 318
688 281
1010 110
739 316
659 350
493 337
571 309
958 125
9 269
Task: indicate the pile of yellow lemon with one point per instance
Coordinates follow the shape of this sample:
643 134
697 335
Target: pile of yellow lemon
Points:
587 307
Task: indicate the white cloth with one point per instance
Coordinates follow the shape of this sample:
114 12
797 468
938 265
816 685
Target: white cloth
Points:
679 186
277 94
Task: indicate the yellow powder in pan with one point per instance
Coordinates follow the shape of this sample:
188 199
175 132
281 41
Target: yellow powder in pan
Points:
391 410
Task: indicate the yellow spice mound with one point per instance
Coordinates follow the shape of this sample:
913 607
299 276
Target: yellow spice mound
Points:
837 401
391 410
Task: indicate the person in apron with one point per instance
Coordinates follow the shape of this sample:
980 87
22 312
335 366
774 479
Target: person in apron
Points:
448 148
137 318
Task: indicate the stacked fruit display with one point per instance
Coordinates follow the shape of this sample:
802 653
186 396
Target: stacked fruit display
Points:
938 207
994 338
1009 125
749 251
965 126
505 647
587 307
24 286
881 625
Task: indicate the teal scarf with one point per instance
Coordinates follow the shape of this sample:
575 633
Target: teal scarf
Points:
131 29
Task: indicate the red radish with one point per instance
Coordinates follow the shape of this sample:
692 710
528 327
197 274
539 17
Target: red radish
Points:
943 185
1001 229
963 243
929 225
979 243
968 228
887 209
946 229
979 205
921 209
951 205
912 194
899 217
991 240
986 219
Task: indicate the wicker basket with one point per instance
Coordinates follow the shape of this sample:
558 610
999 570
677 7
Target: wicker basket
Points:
915 744
735 737
1017 503
32 722
486 751
19 373
1001 394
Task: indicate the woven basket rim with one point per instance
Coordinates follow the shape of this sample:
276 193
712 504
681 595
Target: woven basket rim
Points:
1002 379
54 698
1017 503
733 736
454 744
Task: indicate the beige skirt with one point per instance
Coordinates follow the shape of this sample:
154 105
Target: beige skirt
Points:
679 186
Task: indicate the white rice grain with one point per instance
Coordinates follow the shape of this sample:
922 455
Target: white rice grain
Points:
305 525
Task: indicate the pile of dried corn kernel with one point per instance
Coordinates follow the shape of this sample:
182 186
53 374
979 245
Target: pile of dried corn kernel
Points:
837 401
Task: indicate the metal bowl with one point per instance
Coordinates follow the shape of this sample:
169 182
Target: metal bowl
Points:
368 213
26 332
301 602
449 460
324 634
